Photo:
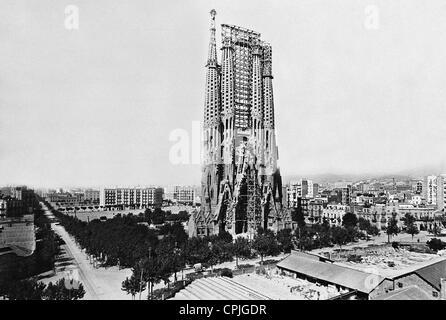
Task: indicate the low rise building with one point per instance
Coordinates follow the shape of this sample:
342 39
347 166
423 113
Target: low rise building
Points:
20 201
427 277
325 272
315 210
92 196
181 194
62 199
425 216
334 213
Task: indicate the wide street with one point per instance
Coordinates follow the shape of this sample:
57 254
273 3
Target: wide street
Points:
99 283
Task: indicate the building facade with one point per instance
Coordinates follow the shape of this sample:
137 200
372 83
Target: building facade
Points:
302 188
62 199
431 190
334 213
346 194
92 196
18 201
435 190
181 194
419 187
241 183
316 211
132 197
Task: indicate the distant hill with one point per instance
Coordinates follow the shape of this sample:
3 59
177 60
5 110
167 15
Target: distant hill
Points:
399 176
425 171
326 178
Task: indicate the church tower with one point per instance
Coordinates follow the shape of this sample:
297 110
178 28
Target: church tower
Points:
241 187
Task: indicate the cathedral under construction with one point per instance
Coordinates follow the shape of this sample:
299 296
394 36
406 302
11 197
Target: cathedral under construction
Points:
241 187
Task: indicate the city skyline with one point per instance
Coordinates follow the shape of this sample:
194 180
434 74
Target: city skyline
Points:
95 106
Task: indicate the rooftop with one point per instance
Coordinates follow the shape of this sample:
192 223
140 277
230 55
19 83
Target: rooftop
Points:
408 293
332 273
431 271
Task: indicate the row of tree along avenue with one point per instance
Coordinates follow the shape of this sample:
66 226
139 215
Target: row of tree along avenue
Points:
159 255
19 275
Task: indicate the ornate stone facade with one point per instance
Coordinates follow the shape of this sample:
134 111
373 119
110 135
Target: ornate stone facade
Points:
241 186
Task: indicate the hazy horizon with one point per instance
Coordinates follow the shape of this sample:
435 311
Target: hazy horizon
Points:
96 106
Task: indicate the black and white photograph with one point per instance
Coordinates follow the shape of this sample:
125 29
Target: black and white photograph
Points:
188 151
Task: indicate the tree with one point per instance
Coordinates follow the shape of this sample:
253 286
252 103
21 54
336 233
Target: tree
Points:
309 239
183 215
175 231
158 216
212 258
241 249
65 289
131 286
197 250
436 230
226 273
284 240
366 226
373 230
350 220
363 224
178 261
151 269
322 235
225 236
340 236
411 227
265 244
297 215
25 290
392 227
34 290
436 244
121 240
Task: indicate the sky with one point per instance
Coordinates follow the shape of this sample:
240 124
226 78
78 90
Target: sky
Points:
358 86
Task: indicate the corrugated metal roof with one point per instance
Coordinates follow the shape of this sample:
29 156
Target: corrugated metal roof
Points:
332 273
408 293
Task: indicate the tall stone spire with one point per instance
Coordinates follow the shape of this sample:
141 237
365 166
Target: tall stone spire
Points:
257 101
212 100
212 53
271 154
211 126
268 88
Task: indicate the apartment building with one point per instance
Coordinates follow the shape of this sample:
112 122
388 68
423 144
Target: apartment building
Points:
132 197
